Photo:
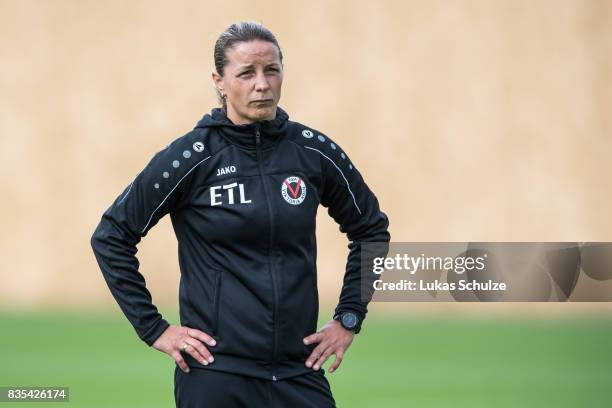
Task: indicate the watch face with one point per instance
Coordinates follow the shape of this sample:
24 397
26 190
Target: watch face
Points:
349 320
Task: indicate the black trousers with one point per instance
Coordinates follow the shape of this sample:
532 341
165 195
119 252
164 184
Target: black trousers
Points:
201 388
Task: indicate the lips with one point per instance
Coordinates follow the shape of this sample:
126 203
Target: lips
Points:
262 101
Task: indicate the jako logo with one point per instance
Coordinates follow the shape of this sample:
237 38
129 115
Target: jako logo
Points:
198 147
226 170
293 190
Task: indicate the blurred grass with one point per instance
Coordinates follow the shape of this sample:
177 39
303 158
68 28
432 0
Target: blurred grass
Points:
395 362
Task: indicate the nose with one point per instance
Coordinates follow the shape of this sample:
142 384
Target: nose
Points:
261 82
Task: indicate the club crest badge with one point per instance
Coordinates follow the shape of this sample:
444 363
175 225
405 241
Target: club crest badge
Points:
293 190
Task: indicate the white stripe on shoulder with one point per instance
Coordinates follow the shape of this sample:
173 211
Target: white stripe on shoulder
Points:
129 189
168 195
128 192
341 173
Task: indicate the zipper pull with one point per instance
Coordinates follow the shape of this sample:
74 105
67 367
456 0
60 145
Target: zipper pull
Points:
257 135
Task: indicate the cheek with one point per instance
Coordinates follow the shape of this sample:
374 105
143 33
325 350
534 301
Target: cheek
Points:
240 92
276 84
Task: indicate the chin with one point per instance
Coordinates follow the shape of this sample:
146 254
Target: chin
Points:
263 113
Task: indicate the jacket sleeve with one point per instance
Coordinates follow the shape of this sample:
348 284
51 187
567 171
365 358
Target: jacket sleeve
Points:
355 208
155 191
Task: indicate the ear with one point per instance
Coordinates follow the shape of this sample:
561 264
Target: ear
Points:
217 80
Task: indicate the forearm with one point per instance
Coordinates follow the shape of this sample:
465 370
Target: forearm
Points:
357 289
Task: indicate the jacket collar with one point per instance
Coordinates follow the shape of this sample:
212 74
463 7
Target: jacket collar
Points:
271 131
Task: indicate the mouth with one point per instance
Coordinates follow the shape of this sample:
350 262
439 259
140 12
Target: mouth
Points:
262 101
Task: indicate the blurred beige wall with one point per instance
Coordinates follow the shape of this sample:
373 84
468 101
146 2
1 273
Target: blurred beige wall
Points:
470 120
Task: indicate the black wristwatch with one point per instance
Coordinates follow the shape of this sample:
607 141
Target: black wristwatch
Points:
349 321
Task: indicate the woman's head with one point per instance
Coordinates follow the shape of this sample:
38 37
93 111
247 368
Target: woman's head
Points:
249 72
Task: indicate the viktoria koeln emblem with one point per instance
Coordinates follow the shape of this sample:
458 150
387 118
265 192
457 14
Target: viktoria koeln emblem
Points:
293 190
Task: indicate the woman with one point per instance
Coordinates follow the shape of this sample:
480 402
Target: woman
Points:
242 190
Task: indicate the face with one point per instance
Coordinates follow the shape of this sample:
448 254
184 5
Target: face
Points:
252 81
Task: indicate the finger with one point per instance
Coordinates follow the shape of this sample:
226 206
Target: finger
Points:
314 356
337 360
197 350
180 361
200 335
201 349
313 338
189 349
323 358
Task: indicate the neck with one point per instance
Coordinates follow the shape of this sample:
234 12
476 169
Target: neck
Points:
242 120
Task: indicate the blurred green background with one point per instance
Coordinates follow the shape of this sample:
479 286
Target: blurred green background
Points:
395 362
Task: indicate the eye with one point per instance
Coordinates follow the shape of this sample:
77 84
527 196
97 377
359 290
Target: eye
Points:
245 73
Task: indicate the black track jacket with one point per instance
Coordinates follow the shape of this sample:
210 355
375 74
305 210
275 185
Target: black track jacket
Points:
243 201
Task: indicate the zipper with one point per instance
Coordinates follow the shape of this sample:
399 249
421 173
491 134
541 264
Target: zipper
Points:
275 317
216 299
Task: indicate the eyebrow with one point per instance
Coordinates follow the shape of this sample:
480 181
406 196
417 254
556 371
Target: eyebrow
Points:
243 67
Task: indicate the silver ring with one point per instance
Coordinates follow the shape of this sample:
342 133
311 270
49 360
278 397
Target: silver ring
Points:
185 346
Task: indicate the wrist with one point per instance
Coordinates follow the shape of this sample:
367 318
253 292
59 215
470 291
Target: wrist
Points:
348 320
